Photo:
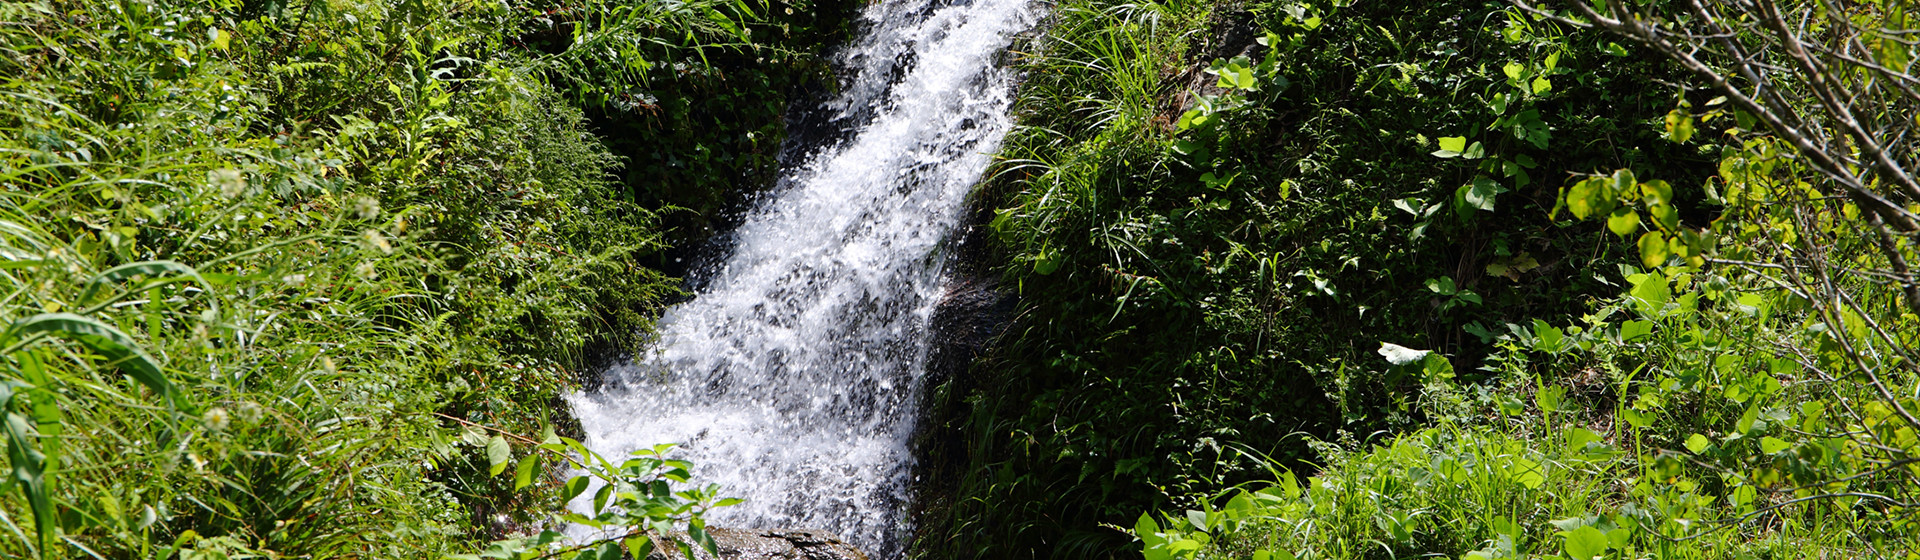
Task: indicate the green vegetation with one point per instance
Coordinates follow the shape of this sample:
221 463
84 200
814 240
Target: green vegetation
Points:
286 279
1332 279
1298 278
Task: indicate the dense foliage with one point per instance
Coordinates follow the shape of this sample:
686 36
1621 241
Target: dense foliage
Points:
1231 226
1297 279
286 278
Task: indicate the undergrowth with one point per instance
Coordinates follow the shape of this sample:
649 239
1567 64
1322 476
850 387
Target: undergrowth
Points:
300 279
1214 213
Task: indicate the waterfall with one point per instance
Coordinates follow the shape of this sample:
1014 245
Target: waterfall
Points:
793 376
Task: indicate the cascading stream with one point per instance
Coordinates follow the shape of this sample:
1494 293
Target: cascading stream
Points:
793 377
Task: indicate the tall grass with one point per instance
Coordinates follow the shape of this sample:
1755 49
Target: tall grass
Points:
280 277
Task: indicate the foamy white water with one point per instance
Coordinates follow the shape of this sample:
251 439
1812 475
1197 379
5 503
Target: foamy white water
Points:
793 378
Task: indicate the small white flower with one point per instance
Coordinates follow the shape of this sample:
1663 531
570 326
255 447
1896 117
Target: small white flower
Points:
251 413
366 206
230 182
379 242
216 419
294 279
366 271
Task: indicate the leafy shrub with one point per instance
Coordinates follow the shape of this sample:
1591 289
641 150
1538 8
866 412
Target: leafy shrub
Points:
1745 396
1214 214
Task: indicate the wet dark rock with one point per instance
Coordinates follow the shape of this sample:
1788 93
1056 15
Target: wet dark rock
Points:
779 544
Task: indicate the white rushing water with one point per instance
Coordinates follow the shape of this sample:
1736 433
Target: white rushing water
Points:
793 377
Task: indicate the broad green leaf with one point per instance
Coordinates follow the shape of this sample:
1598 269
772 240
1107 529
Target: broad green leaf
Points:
1664 216
1475 151
1651 293
1741 496
1697 443
1198 519
1634 330
498 453
1654 250
639 546
1657 191
1541 85
1480 194
1585 543
1547 338
1622 182
1750 304
1527 473
1046 262
1147 529
1451 146
1771 445
1620 538
1747 419
601 496
1679 126
1436 367
1243 79
1589 198
525 471
1407 205
1623 222
1637 418
102 339
574 487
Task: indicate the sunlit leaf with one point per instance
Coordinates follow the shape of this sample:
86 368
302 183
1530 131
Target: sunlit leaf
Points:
498 453
1623 222
102 339
1679 126
1654 250
1585 543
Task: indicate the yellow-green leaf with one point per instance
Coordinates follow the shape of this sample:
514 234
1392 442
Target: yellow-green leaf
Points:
1657 191
1623 182
1664 216
1623 222
1588 198
1679 126
1653 250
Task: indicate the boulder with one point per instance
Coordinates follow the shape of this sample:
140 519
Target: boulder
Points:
778 544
